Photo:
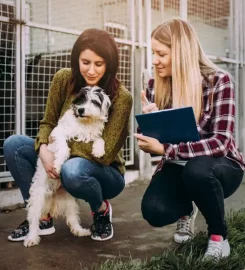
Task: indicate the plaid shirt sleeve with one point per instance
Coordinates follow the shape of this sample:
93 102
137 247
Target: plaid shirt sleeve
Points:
221 126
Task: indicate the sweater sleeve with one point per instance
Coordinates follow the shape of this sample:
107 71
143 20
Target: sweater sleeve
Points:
55 101
115 132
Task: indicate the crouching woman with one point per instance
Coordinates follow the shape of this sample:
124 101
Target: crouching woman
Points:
184 76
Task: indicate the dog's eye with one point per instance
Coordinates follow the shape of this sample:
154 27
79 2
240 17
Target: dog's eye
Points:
96 103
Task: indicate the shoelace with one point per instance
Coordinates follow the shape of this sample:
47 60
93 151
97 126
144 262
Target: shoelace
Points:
183 225
214 249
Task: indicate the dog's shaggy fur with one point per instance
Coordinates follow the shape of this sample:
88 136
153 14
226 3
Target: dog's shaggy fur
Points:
84 121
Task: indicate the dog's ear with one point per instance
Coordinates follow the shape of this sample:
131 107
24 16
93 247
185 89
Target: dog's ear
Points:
106 105
84 90
81 96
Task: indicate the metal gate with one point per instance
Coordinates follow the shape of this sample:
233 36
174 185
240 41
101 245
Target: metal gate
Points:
37 37
36 41
9 75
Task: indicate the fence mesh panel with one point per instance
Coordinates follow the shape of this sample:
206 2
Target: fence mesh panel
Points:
7 77
211 21
49 50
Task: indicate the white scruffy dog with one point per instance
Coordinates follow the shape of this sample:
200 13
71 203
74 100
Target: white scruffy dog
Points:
84 121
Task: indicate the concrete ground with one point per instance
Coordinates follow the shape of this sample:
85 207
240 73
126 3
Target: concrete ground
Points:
133 237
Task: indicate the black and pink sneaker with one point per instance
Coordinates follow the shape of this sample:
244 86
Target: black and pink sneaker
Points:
46 227
102 228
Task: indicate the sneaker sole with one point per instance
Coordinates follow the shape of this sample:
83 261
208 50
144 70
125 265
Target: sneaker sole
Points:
112 231
40 233
103 239
227 250
181 240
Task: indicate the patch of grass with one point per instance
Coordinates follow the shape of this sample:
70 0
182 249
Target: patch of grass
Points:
188 256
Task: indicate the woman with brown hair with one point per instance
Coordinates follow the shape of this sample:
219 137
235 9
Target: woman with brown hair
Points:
94 61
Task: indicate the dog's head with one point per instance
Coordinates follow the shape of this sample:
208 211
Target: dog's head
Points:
91 103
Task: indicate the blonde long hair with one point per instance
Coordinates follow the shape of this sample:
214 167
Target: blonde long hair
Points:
189 64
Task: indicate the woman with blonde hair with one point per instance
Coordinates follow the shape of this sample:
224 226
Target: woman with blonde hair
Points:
213 169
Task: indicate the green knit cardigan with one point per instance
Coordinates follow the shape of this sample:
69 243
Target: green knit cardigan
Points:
115 132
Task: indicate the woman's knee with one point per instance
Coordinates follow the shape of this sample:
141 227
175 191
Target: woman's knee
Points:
11 144
74 177
156 213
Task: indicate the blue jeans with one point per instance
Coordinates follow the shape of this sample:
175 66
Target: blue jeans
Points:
82 178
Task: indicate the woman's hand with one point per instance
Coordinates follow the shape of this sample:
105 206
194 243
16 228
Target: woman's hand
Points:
149 145
146 106
47 158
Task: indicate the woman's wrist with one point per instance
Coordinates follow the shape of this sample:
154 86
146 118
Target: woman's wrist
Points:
161 150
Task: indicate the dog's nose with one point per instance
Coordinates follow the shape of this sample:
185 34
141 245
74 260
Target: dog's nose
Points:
81 111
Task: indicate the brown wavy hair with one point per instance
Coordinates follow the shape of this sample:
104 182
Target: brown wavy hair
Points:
104 45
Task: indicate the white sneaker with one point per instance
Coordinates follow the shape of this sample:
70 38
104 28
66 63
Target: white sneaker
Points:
217 248
186 227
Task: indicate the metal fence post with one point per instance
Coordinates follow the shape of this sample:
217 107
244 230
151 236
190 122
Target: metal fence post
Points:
145 168
183 9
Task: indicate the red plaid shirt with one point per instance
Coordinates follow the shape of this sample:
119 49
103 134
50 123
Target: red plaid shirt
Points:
216 125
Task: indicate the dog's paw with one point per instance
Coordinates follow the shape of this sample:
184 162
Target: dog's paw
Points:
32 240
98 154
60 158
98 149
79 231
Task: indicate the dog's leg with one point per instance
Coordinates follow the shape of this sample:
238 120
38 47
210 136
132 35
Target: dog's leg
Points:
59 146
35 205
98 148
61 154
72 217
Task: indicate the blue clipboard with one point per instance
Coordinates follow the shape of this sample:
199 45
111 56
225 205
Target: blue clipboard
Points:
170 126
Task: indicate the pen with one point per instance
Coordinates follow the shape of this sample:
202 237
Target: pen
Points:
146 100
